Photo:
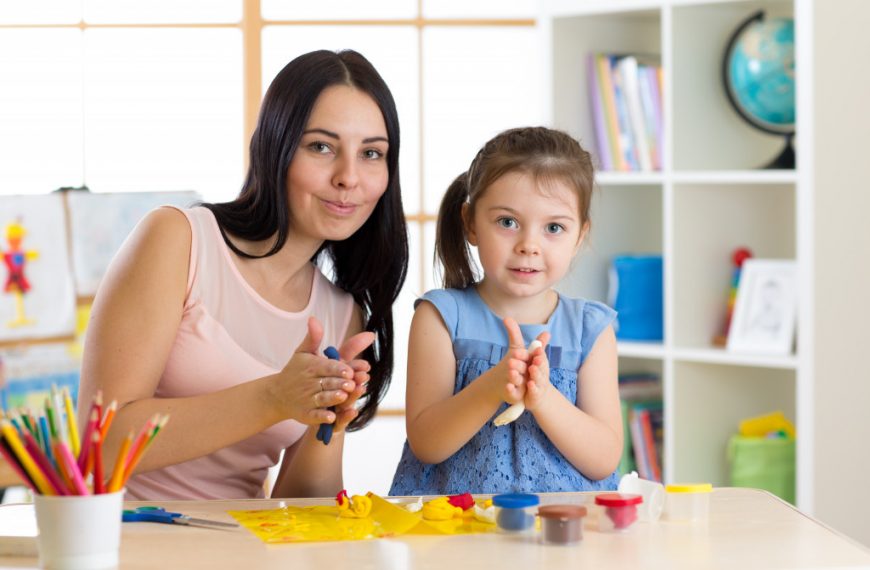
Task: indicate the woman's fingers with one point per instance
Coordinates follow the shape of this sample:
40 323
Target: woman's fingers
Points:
355 345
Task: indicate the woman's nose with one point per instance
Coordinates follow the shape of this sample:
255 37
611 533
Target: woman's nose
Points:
346 175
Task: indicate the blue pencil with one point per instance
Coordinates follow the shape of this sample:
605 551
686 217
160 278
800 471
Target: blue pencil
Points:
324 432
46 438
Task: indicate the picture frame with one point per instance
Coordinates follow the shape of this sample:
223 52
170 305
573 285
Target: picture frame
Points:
765 311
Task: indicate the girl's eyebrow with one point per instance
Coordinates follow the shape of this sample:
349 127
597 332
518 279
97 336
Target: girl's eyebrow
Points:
516 212
335 136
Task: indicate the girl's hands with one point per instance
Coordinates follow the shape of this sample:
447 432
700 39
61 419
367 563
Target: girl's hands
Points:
310 383
514 365
538 381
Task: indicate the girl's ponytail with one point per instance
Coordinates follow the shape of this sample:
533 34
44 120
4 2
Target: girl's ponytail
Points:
451 247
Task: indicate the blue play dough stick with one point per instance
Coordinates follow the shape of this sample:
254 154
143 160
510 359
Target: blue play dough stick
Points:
324 432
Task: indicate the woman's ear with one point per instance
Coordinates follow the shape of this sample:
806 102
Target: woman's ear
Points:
468 222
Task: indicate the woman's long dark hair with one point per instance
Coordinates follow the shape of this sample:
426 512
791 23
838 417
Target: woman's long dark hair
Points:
372 263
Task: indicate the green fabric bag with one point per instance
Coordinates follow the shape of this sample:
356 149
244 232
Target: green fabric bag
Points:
763 463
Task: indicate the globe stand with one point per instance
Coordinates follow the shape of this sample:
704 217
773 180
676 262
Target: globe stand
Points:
785 160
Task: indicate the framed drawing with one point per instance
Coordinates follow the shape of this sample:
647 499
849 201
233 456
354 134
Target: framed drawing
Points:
38 297
766 308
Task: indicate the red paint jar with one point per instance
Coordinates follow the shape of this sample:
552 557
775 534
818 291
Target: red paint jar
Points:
619 511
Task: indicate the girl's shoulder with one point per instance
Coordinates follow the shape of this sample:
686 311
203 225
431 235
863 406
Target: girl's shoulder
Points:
454 305
583 321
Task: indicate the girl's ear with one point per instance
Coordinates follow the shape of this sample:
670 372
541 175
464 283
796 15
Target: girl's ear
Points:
468 222
583 233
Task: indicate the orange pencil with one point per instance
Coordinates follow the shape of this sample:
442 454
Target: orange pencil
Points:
141 439
62 467
98 464
107 419
118 471
141 451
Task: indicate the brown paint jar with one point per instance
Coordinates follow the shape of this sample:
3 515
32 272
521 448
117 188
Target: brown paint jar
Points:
562 524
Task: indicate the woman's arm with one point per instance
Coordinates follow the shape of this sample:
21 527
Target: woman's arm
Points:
134 321
439 423
589 435
310 468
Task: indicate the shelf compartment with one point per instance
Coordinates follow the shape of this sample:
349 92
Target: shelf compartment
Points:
709 402
708 134
710 221
573 39
625 220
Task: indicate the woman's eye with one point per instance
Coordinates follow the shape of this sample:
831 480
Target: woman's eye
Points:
373 154
555 228
507 223
320 147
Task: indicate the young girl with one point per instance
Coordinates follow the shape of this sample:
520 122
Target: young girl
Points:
524 203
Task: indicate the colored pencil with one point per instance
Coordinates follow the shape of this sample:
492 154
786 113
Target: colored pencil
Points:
49 413
98 464
57 404
45 437
94 417
118 471
72 422
27 462
45 465
62 469
72 468
13 461
107 418
140 440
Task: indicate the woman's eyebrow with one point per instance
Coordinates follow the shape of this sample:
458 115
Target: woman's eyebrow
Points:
336 136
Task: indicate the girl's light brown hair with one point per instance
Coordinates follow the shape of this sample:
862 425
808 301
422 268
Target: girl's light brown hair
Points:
544 154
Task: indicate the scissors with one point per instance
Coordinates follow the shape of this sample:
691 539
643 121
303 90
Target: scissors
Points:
161 515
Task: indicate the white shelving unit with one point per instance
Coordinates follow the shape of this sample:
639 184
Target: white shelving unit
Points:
708 199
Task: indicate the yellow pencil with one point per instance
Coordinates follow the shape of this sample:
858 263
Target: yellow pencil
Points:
27 462
71 422
118 470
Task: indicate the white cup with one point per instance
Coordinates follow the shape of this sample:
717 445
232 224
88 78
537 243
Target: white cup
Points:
81 532
653 494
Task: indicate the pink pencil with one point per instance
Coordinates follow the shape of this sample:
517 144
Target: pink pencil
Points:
72 469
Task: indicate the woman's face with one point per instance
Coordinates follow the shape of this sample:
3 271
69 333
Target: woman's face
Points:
339 171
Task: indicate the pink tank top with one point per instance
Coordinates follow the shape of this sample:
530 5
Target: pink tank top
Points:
229 335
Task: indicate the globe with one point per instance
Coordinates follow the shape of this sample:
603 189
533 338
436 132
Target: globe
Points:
759 75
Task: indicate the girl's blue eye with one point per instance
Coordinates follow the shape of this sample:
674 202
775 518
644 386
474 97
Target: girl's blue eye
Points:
507 223
555 228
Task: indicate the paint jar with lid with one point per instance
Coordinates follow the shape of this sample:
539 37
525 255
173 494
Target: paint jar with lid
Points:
515 512
619 511
688 502
562 524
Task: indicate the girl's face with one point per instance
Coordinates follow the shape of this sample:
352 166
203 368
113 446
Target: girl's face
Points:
339 171
526 235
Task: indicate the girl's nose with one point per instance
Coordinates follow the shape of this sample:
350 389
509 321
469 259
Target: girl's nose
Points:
528 245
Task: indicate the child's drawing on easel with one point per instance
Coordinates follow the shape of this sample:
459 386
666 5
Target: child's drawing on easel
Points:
38 296
15 257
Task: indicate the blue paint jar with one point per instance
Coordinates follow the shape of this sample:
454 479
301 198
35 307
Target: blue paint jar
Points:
515 512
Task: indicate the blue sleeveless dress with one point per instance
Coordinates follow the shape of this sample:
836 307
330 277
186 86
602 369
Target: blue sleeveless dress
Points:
517 457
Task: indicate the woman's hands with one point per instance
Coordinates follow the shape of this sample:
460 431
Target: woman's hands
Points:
310 383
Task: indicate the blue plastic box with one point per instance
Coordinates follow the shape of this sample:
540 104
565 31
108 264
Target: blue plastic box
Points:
637 295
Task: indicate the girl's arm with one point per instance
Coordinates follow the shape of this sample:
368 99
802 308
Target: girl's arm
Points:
310 468
134 321
439 423
588 435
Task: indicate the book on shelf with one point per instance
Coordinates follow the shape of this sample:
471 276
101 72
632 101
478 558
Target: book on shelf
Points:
626 105
643 425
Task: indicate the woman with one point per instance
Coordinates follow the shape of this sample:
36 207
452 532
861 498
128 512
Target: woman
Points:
218 315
